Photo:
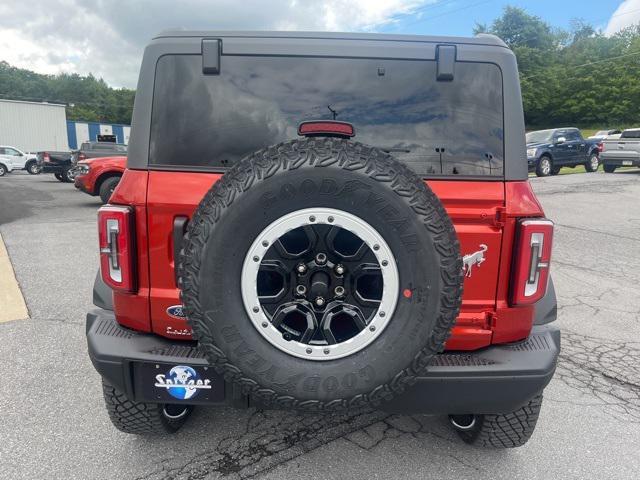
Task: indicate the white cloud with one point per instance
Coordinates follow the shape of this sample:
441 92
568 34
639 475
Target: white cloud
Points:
106 37
627 14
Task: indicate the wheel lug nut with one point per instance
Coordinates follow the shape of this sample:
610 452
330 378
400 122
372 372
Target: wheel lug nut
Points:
301 290
319 301
301 268
339 269
321 258
339 291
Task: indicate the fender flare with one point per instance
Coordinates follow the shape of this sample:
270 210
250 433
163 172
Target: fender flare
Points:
104 176
545 153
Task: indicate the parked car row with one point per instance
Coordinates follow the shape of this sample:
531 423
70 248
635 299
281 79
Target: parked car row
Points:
62 164
95 168
550 150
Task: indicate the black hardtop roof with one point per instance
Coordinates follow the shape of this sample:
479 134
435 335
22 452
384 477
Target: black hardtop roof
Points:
483 48
480 39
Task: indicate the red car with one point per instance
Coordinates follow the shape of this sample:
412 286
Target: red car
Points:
326 222
99 176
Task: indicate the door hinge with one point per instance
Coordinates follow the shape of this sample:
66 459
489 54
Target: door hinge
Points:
500 218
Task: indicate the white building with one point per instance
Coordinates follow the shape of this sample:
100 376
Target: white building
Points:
33 126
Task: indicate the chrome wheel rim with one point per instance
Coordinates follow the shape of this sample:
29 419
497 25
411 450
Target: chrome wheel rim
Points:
309 295
595 162
545 166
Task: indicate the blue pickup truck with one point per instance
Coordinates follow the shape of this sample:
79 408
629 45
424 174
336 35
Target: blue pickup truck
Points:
550 150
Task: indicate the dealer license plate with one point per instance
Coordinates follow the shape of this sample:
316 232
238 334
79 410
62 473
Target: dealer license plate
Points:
169 383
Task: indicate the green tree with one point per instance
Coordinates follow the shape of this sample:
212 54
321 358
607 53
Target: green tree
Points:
87 97
580 77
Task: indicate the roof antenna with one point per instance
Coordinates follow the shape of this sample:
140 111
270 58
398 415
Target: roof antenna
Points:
333 112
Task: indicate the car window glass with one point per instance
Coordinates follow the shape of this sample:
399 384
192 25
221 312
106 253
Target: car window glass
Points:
434 127
630 134
572 136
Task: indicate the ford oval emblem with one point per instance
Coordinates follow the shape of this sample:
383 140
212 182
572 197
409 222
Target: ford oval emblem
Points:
176 311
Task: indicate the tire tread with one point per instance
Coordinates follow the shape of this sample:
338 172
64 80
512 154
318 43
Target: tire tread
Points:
507 430
136 417
322 153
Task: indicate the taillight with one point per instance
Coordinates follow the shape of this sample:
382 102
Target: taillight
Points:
532 261
82 156
601 147
115 233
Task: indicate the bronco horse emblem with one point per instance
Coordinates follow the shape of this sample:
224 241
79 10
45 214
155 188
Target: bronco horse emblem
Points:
476 258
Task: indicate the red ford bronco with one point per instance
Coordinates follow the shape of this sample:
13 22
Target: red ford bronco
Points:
323 222
99 176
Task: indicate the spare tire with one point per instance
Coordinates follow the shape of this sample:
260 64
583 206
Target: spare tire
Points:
321 274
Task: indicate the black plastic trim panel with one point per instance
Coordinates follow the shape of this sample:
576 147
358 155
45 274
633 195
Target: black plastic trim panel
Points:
496 379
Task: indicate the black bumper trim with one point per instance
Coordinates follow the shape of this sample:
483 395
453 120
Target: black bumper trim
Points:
620 162
48 168
496 379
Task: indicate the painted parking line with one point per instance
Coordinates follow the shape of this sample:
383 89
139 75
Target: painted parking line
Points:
12 305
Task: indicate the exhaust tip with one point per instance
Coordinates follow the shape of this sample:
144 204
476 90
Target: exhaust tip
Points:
175 412
463 422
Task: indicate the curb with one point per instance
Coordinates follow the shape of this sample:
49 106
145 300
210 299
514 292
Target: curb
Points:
12 304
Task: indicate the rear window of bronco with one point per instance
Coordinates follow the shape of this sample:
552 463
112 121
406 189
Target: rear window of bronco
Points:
435 127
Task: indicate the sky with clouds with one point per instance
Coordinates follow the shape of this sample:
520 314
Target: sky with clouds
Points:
106 37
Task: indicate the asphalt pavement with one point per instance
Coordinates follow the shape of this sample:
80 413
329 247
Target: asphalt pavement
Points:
54 424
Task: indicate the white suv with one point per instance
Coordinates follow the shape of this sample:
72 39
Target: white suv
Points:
12 158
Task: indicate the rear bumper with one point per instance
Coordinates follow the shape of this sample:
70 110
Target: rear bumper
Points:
52 168
621 161
492 380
